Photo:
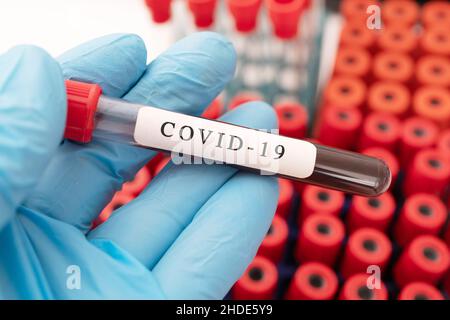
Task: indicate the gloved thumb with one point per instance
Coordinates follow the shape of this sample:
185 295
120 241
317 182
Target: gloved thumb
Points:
32 120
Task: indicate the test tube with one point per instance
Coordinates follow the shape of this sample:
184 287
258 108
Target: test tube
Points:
93 115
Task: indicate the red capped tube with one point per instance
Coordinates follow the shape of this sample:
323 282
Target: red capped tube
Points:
433 103
160 9
435 40
339 127
398 39
393 66
274 243
285 199
120 199
242 98
389 158
376 213
353 61
365 247
317 199
356 288
82 100
417 134
285 16
389 97
313 281
420 291
400 12
380 130
436 13
245 13
355 34
203 11
422 214
429 173
214 110
320 239
345 92
292 119
432 70
259 281
138 184
425 259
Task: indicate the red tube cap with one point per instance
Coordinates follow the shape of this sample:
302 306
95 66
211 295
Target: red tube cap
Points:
317 199
345 92
380 130
285 16
421 214
433 103
313 281
274 243
420 291
292 119
389 97
355 288
245 13
82 100
259 281
203 11
320 239
160 10
365 247
429 173
339 127
374 213
426 259
417 134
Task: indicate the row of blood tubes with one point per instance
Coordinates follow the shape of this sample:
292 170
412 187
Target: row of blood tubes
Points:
388 97
274 40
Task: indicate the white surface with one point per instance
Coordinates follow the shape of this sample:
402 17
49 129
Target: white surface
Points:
58 25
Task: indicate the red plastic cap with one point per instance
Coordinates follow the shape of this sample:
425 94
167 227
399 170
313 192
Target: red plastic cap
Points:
259 281
160 10
420 291
245 13
313 281
203 11
285 16
82 100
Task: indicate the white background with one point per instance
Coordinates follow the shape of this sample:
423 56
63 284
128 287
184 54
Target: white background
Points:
58 25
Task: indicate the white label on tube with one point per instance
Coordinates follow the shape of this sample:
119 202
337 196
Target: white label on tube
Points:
219 142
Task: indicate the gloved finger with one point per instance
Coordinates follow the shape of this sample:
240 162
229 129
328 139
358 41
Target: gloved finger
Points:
66 190
148 226
188 76
185 78
221 241
32 118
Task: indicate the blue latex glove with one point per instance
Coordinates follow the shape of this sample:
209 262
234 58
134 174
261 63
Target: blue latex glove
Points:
190 234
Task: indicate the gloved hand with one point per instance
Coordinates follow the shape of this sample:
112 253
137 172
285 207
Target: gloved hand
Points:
189 235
